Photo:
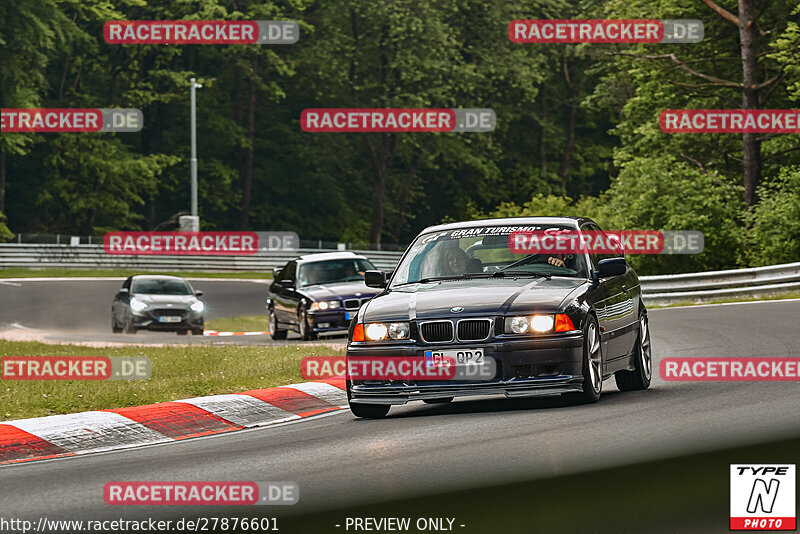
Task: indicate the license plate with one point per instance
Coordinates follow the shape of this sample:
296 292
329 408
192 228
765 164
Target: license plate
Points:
460 356
323 325
169 319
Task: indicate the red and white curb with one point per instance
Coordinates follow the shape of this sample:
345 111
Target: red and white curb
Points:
104 430
215 333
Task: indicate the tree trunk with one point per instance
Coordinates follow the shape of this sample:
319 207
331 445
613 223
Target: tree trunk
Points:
247 181
2 180
542 135
380 159
569 143
751 147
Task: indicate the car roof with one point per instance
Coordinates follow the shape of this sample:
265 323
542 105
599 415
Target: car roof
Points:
157 277
322 256
573 222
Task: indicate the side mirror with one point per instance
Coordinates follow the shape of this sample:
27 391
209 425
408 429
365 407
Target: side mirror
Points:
198 293
612 267
275 272
287 283
376 279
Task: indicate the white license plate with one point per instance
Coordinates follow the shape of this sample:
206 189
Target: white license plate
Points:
460 356
169 319
324 325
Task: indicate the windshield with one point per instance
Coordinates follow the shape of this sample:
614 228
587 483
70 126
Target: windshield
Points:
155 286
481 251
326 272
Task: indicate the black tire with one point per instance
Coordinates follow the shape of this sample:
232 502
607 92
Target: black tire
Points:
641 375
183 332
592 368
274 332
197 331
302 322
130 328
114 328
369 411
440 400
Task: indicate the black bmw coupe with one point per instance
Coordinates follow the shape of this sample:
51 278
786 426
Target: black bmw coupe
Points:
317 294
552 324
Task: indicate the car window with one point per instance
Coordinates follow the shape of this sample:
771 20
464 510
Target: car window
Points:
288 272
332 271
160 286
595 258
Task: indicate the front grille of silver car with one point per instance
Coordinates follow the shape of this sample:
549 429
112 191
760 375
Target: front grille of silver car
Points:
436 331
474 329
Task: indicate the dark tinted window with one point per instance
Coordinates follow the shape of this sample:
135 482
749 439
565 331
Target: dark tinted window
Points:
326 272
160 286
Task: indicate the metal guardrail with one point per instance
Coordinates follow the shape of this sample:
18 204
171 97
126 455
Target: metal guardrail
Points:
657 290
735 283
34 256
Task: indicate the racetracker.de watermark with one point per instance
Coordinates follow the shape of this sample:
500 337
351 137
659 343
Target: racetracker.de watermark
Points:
730 121
76 367
730 369
70 120
352 120
181 243
605 31
609 242
184 32
201 493
433 365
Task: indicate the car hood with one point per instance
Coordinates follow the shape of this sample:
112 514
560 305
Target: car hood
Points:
338 290
477 297
166 299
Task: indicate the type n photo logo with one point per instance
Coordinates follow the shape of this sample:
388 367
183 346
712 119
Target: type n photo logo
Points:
763 497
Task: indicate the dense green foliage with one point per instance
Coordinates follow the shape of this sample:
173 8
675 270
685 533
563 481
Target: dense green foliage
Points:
577 125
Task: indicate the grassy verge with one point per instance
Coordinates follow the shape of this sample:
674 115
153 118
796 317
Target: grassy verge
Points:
780 296
178 373
243 323
19 272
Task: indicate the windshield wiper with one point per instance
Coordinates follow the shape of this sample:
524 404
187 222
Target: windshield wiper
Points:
501 274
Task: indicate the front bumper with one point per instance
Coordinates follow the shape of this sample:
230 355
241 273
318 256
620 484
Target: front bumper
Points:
330 321
525 368
148 319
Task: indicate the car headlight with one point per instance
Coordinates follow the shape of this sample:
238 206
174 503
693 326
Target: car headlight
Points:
382 331
539 324
325 305
399 330
542 323
137 305
198 306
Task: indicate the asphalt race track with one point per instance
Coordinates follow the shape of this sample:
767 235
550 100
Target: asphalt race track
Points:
73 311
339 461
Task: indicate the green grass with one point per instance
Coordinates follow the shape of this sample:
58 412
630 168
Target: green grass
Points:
779 296
178 373
19 272
244 323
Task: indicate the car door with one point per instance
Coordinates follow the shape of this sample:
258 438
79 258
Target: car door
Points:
286 297
620 316
118 308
